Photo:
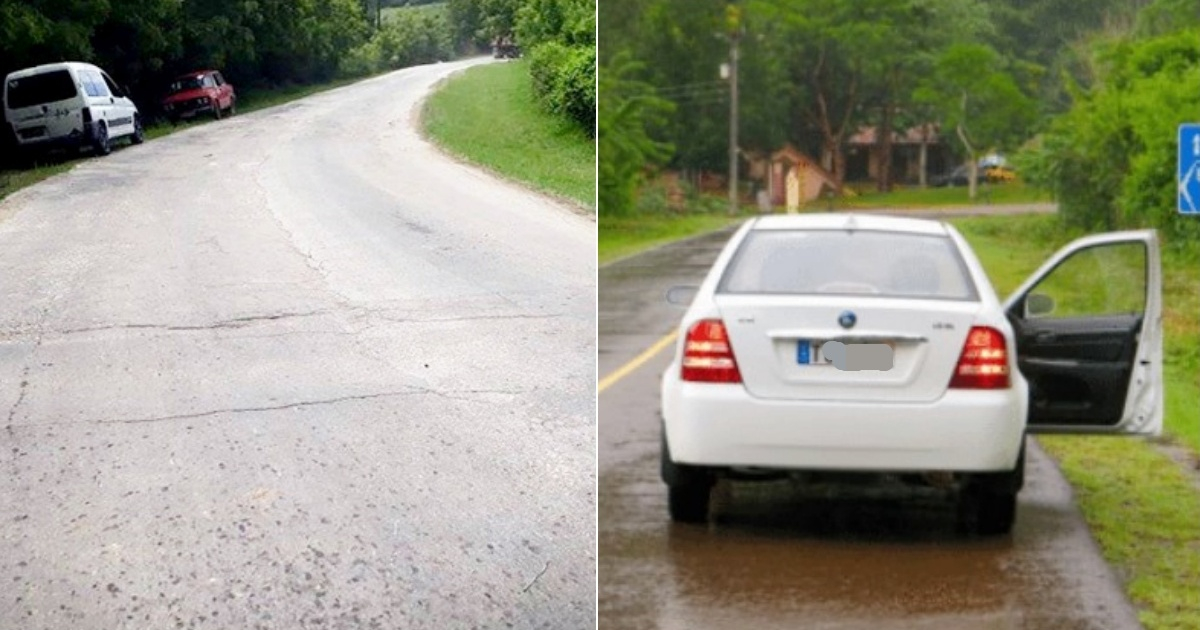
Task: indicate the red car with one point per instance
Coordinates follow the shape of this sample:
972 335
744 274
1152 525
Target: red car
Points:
199 92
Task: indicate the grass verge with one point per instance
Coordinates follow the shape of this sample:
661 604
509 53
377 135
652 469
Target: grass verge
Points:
911 197
249 100
488 116
625 236
433 8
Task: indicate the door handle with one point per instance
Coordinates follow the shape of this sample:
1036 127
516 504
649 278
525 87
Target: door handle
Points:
1045 337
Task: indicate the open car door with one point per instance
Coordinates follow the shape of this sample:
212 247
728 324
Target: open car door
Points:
1088 329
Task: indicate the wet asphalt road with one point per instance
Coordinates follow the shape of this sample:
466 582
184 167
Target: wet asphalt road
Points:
296 369
780 556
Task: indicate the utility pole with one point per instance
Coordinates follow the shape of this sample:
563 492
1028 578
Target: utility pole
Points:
733 17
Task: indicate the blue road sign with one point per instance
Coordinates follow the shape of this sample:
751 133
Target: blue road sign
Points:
1189 168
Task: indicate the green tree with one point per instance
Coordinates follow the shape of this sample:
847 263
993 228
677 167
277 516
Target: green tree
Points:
975 97
628 111
1110 160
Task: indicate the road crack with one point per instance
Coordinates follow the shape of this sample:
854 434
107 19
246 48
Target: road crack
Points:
461 394
236 322
536 577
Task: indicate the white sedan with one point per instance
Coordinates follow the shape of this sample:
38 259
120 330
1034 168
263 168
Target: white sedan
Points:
876 344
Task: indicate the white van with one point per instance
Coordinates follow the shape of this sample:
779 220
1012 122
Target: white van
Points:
69 104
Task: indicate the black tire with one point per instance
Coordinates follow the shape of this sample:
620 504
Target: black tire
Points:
688 503
688 488
216 109
139 132
232 106
102 143
995 513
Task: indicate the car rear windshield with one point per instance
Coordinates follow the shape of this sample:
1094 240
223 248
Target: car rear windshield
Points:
828 262
39 89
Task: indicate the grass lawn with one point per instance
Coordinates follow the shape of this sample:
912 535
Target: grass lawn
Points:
487 116
912 197
248 100
620 237
434 8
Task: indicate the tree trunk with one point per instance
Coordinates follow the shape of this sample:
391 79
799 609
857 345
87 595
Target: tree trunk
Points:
973 165
923 160
884 140
839 164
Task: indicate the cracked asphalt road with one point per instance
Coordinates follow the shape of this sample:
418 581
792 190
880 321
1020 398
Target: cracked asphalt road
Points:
296 369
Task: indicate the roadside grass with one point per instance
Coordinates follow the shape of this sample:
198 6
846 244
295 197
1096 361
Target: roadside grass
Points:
1016 192
249 100
625 236
433 8
1140 503
1145 513
488 116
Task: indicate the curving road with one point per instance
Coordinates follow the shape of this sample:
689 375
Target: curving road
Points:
296 369
822 558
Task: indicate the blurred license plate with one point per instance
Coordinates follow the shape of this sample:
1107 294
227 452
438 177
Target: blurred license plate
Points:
808 351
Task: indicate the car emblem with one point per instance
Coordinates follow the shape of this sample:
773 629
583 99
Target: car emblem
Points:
847 319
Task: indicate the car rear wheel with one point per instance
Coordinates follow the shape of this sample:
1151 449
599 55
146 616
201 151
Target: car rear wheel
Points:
232 105
216 109
995 513
102 143
688 503
688 489
139 132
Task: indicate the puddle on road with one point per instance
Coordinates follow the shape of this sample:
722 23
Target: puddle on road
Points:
778 556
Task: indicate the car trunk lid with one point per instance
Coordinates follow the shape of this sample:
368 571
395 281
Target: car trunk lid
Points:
783 346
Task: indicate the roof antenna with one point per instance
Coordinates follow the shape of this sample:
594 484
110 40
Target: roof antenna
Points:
851 223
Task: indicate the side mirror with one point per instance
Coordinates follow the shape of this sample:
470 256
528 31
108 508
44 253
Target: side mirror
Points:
682 295
1037 304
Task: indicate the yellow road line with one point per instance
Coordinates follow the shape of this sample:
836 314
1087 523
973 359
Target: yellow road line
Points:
637 362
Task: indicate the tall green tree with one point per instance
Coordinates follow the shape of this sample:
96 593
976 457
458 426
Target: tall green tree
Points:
974 96
629 110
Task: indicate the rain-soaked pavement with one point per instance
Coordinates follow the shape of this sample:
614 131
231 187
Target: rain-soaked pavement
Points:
781 556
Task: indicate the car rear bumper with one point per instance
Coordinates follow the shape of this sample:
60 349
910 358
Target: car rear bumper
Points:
75 139
964 431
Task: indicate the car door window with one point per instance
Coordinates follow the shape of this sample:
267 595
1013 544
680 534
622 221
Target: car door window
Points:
1098 281
93 85
112 86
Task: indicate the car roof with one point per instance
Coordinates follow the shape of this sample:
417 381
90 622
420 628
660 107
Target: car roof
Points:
850 221
51 67
197 73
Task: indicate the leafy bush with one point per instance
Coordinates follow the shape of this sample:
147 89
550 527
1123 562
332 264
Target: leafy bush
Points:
408 39
564 81
629 108
1110 160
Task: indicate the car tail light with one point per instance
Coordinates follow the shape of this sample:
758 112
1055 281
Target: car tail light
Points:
87 114
983 363
707 357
